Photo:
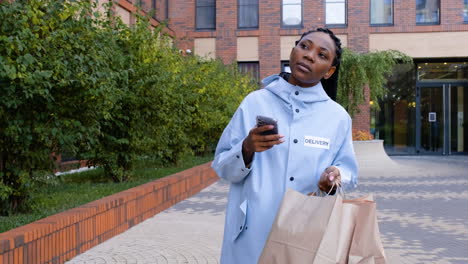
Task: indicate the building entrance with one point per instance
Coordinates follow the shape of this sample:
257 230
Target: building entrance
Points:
442 108
442 125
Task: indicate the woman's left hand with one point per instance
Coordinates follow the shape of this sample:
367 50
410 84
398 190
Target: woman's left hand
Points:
329 176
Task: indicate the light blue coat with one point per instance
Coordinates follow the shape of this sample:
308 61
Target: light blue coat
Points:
317 134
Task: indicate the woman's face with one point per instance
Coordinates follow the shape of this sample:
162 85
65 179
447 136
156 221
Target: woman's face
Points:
311 59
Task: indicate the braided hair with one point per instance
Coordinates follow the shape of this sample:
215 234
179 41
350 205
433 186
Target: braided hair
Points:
330 85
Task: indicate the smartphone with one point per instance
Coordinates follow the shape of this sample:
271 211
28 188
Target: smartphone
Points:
263 121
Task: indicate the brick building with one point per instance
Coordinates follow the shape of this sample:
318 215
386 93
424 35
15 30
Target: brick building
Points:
426 109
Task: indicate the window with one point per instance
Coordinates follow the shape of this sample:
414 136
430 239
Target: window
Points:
248 14
291 13
465 12
250 68
427 11
335 12
205 14
381 12
160 9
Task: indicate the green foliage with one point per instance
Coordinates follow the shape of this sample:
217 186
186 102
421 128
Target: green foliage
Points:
54 81
75 81
358 70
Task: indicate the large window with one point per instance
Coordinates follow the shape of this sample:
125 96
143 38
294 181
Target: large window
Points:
335 12
395 121
291 13
465 11
161 9
427 11
206 14
381 12
248 14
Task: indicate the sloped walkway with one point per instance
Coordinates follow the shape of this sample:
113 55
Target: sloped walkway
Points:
422 206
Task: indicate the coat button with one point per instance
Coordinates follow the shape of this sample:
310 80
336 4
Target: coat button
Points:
295 140
291 179
297 110
296 93
240 228
237 156
242 169
246 227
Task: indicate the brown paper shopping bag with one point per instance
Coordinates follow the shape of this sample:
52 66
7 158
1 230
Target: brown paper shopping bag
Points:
355 238
299 226
366 246
324 230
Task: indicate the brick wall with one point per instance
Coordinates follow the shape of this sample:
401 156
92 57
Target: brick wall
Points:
269 32
60 237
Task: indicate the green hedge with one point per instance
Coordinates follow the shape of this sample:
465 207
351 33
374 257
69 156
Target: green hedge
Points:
76 81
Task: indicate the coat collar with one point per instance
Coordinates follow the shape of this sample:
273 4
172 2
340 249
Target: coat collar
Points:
285 90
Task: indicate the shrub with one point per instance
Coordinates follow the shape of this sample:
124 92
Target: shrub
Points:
54 81
77 82
361 135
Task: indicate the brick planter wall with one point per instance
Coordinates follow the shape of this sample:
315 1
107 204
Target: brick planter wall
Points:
60 237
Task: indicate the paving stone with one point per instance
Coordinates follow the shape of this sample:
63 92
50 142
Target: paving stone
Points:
422 204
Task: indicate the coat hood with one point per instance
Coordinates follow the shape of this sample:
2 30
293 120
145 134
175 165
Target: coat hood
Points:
283 89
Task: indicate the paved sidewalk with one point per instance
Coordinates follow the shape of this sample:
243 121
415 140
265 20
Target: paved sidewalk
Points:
422 207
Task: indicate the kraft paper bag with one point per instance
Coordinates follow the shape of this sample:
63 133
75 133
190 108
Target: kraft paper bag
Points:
299 226
324 230
355 238
366 246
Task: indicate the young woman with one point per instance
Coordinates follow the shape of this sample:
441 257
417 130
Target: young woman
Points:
312 149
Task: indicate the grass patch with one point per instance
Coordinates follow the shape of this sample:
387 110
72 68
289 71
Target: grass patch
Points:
72 190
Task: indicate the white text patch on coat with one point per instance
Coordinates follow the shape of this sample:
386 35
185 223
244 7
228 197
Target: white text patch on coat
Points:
317 142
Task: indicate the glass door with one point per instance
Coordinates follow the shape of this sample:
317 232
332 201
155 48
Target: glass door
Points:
432 120
442 126
458 119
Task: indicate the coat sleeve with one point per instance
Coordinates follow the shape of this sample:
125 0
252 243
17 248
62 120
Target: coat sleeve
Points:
229 163
345 160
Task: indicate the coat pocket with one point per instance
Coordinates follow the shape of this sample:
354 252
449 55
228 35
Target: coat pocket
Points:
241 218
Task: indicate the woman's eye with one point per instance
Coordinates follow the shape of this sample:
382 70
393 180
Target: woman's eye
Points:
304 46
322 55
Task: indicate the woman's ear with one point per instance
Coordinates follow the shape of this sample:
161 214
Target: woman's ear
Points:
330 72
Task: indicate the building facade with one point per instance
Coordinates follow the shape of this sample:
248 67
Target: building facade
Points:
425 111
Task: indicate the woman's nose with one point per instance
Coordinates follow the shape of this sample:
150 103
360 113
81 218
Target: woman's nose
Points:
310 56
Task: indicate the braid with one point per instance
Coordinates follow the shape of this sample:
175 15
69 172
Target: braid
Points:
329 85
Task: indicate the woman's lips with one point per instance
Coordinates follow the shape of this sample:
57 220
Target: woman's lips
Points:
303 67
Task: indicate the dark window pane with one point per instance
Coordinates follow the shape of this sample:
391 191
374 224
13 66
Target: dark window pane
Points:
248 13
395 121
248 16
206 18
205 2
427 11
206 14
442 71
381 11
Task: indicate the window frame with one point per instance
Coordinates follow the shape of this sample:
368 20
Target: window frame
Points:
238 17
196 17
301 25
427 23
345 24
382 24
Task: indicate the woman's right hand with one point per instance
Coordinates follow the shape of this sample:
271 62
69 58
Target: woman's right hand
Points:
255 142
